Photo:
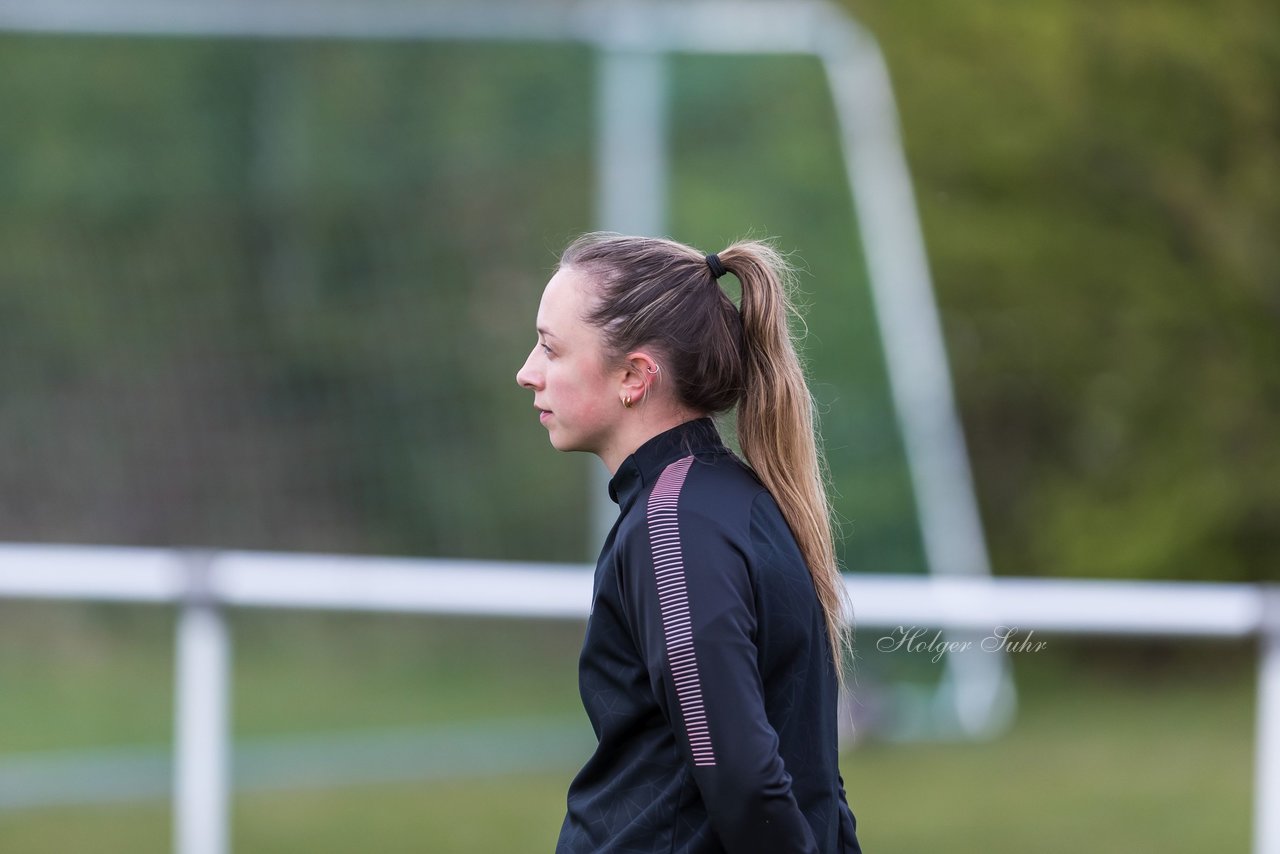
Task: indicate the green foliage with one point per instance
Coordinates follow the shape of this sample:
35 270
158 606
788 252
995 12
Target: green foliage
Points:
1099 192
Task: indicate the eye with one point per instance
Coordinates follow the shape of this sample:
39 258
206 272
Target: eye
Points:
546 349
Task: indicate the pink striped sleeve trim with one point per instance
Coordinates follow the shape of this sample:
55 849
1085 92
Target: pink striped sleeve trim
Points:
673 602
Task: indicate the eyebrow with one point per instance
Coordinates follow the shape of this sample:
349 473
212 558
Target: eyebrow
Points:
546 332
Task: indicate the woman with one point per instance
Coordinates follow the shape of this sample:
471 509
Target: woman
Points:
709 664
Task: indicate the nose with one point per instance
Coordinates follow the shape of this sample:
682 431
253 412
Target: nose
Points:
527 377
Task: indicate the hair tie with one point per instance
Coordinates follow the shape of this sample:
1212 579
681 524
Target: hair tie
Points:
717 269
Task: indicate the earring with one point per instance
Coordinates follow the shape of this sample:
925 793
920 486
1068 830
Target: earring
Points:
626 401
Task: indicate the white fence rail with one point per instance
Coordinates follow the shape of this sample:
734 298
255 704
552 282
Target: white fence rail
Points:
203 583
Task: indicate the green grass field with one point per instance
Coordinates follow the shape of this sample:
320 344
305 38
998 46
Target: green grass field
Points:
1117 748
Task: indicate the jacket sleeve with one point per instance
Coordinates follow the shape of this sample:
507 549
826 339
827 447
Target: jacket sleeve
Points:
691 606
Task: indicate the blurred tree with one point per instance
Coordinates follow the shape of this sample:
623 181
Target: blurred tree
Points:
1101 189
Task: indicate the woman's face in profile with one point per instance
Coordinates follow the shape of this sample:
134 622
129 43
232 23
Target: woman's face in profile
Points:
577 400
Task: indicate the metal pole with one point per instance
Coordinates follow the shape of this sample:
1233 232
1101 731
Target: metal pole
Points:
631 177
1266 807
982 695
200 725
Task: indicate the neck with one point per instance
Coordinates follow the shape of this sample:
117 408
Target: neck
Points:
637 428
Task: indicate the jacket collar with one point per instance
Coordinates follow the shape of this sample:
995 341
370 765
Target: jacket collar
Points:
647 462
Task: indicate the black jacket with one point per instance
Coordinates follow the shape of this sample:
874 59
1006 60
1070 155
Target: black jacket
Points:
706 670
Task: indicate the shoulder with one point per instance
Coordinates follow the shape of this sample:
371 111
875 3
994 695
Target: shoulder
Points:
719 503
692 532
705 482
701 496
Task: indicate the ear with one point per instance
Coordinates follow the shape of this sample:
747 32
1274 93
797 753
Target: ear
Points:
639 373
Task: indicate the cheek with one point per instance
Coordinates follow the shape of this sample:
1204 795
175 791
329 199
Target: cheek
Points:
594 410
585 397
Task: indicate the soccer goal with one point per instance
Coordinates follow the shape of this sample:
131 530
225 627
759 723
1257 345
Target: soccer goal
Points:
901 472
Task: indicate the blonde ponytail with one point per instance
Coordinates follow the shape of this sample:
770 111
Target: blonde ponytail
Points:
776 424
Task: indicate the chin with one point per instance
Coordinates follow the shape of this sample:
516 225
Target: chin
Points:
566 447
559 441
566 443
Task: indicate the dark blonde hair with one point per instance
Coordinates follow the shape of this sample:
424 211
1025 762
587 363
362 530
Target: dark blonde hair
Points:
660 293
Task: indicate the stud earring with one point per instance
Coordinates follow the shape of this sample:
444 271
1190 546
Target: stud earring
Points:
626 401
